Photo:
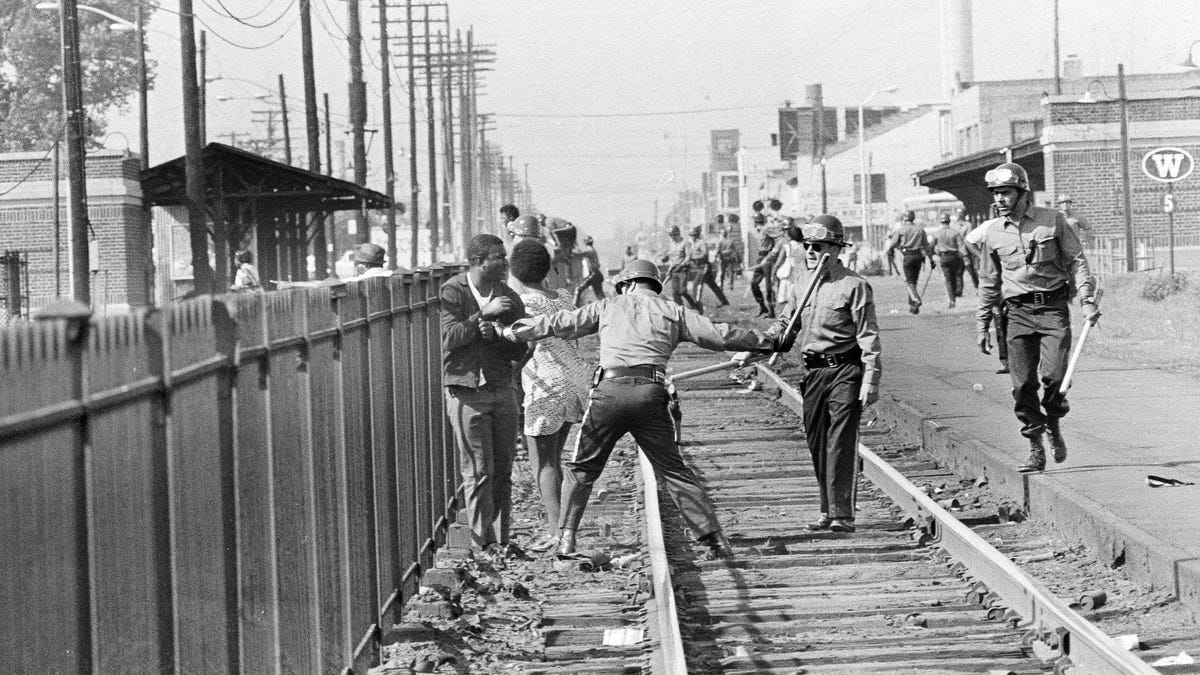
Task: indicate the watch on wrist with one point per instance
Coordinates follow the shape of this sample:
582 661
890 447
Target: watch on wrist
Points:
1089 300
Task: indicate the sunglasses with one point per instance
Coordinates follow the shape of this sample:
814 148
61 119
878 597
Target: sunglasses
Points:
817 246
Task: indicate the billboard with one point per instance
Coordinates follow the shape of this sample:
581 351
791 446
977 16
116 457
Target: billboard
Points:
725 144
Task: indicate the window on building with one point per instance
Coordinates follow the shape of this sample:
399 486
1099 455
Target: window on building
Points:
878 188
1023 130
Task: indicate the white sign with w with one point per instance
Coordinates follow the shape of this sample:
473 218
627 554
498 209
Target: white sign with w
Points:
1168 165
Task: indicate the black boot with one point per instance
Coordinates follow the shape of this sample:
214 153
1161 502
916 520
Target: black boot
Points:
1037 457
566 542
719 547
1058 444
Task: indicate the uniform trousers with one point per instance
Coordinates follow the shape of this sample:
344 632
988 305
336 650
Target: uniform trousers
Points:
761 276
912 266
952 269
702 275
728 269
637 406
594 281
679 288
832 411
485 423
1039 346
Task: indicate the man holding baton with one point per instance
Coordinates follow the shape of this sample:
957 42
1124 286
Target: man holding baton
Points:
639 329
840 347
1030 262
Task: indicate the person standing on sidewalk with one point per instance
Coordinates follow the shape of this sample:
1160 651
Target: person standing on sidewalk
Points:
949 248
840 347
481 397
1031 259
914 245
639 330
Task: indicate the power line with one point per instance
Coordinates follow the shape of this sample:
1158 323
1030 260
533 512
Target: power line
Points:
663 113
245 21
226 40
38 164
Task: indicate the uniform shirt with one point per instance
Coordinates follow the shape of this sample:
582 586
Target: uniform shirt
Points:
638 328
840 316
947 240
678 252
727 249
591 260
909 237
697 251
1037 253
768 251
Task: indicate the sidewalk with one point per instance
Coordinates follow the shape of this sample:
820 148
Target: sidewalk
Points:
1126 422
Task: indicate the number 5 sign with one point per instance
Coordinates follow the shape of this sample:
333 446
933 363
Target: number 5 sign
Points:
1168 165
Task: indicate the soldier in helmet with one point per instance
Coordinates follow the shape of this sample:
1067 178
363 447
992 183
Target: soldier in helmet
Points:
1029 263
679 255
910 239
840 349
702 273
593 276
525 227
949 247
639 329
1075 221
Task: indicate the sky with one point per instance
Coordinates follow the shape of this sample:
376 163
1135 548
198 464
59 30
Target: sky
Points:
652 76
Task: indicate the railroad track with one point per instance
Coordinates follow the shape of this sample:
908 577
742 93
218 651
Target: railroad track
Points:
880 600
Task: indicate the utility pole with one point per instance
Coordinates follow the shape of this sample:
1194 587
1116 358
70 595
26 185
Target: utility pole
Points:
431 124
1057 60
466 140
143 88
312 132
358 111
445 77
57 228
203 84
202 274
287 134
389 163
76 172
333 238
414 217
1126 197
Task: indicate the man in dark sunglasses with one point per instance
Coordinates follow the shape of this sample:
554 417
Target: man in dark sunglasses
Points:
839 343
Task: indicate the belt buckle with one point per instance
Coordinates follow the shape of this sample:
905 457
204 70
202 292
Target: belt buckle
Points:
1039 298
830 359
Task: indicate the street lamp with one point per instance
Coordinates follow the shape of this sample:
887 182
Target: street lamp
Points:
1187 62
1122 101
863 178
138 26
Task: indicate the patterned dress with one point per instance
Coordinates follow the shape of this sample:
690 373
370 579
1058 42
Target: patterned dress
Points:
556 377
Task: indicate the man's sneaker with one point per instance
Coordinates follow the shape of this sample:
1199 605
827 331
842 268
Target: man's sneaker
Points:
1058 444
841 525
1037 457
819 524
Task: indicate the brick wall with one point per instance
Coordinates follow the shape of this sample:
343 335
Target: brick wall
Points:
118 225
1089 168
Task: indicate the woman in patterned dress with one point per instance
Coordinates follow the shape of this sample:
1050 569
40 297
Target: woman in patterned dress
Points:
555 380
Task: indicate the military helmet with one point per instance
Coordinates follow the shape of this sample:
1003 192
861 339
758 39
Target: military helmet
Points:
673 230
697 230
1064 199
525 226
587 241
824 229
1007 174
910 216
638 269
945 218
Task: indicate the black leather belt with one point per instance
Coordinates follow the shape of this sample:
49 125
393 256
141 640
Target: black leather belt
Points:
1038 298
829 360
656 373
912 251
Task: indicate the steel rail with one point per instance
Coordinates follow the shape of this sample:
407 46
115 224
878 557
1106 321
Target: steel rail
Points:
1090 649
670 642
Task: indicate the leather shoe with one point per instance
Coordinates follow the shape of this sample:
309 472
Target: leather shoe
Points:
1037 457
841 525
566 542
1058 444
819 524
1003 369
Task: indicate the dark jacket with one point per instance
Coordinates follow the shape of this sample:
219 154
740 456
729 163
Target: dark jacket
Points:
465 354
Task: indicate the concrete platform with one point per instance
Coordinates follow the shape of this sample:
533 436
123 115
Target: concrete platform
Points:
1126 422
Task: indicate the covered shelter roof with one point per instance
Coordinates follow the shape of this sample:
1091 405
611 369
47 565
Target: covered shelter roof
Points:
963 176
235 174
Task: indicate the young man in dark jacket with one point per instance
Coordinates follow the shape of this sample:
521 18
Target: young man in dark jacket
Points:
481 398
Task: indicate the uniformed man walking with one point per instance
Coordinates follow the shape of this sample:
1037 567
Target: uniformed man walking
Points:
639 329
593 275
679 253
840 347
701 268
971 259
949 248
910 239
1031 259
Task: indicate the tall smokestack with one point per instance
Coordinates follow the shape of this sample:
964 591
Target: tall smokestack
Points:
958 65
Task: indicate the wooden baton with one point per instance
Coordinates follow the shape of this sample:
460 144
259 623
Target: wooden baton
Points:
812 286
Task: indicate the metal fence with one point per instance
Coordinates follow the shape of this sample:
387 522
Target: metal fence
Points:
247 483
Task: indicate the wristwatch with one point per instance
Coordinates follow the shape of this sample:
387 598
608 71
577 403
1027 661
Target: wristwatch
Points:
1089 300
